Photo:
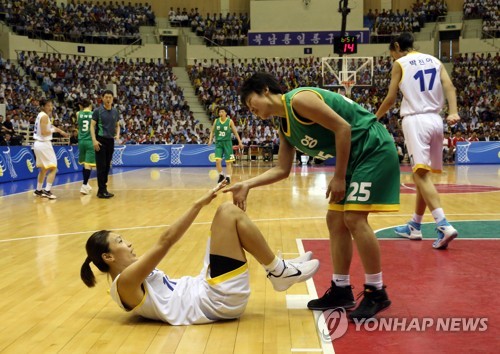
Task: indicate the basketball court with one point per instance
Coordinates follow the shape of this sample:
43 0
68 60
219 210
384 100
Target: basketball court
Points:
46 308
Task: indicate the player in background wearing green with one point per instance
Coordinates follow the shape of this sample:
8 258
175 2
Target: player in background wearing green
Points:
324 124
221 129
86 150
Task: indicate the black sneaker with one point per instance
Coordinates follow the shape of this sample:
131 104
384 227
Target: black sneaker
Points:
336 296
373 302
221 178
228 180
48 194
38 193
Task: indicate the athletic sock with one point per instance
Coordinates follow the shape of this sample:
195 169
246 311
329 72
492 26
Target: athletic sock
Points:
374 280
342 280
438 215
39 186
48 186
417 218
276 266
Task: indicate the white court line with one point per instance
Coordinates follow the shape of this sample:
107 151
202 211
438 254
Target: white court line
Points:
307 350
300 301
56 187
256 220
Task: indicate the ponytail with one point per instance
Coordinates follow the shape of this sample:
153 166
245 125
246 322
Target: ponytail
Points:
86 274
97 244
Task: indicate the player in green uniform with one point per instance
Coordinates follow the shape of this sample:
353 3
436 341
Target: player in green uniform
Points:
86 150
221 129
324 124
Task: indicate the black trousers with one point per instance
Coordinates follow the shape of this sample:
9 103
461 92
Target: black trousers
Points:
103 162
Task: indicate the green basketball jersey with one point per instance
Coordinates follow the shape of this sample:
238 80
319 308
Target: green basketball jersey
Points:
84 120
222 130
316 140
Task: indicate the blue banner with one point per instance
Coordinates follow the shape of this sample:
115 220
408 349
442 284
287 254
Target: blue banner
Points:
67 159
163 155
302 38
478 152
17 162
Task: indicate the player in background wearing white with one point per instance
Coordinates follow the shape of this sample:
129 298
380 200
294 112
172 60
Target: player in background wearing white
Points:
46 159
219 292
422 80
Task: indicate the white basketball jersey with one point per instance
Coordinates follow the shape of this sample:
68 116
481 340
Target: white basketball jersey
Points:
420 84
190 300
37 133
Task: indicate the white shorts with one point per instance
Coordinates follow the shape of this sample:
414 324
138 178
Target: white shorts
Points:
226 296
45 155
424 141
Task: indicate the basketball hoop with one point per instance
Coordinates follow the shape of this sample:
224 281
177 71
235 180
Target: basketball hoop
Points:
348 85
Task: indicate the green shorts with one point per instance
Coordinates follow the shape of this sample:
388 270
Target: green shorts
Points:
372 178
86 152
224 150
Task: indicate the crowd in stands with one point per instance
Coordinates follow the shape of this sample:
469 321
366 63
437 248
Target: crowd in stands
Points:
388 23
217 83
76 21
153 109
488 11
224 30
151 105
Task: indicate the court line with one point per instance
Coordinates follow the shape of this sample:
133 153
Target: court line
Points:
55 187
209 222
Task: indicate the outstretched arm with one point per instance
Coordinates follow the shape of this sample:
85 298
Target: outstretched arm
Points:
392 94
286 155
129 284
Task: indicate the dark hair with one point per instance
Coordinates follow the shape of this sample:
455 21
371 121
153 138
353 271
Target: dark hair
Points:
257 83
405 41
84 102
222 108
44 101
107 92
97 244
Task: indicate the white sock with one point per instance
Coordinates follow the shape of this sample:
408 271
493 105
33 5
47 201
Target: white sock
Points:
39 186
222 174
48 186
438 215
417 218
276 266
342 280
374 280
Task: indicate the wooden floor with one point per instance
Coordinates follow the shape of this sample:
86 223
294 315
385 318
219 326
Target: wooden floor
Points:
46 308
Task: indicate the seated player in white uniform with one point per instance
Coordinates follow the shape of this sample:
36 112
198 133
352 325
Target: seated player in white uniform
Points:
219 292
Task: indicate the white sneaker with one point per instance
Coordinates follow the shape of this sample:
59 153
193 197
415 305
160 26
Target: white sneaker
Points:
411 230
84 190
446 234
48 194
302 258
293 273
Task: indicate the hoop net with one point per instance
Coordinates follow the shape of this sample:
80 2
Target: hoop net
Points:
463 152
348 85
117 160
176 155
